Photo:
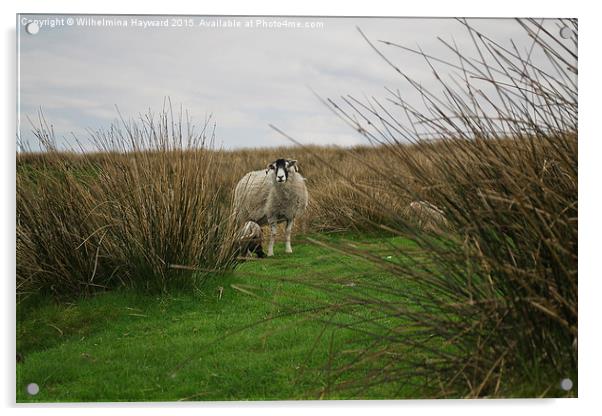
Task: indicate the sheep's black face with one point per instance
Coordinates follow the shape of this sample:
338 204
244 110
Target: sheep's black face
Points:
282 168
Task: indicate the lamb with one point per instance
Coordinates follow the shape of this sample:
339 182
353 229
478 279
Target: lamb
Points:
249 239
268 197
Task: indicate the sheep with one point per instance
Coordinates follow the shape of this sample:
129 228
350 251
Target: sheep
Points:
429 216
249 239
268 197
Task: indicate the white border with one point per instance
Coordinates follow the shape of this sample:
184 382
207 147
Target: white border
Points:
589 233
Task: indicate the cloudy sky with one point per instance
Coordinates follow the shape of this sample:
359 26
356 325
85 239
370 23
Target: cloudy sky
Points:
77 71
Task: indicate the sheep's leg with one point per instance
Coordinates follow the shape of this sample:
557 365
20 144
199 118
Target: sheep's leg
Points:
272 237
289 228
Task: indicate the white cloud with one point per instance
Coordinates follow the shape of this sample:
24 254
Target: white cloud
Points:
246 78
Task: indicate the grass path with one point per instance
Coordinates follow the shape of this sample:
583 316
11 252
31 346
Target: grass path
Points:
206 345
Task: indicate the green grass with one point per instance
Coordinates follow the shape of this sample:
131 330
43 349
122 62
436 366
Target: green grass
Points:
212 343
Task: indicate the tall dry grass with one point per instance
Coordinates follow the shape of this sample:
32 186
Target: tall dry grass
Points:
121 216
155 193
489 305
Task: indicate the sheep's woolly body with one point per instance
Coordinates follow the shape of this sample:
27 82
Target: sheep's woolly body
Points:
259 199
429 216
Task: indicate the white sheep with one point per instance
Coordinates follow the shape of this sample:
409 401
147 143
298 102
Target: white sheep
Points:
429 216
249 239
268 197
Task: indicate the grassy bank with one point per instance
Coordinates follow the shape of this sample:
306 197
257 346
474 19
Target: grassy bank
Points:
220 342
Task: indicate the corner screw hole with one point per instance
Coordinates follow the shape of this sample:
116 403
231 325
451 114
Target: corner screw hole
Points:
32 28
566 384
565 32
33 389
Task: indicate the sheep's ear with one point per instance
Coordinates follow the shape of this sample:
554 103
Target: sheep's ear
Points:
293 164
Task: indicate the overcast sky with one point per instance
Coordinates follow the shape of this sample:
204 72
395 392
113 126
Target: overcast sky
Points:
246 77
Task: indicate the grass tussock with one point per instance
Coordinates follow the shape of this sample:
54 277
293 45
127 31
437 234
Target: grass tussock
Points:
120 217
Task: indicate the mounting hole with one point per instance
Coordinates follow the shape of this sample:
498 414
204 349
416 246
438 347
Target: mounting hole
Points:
565 32
32 28
566 384
33 389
